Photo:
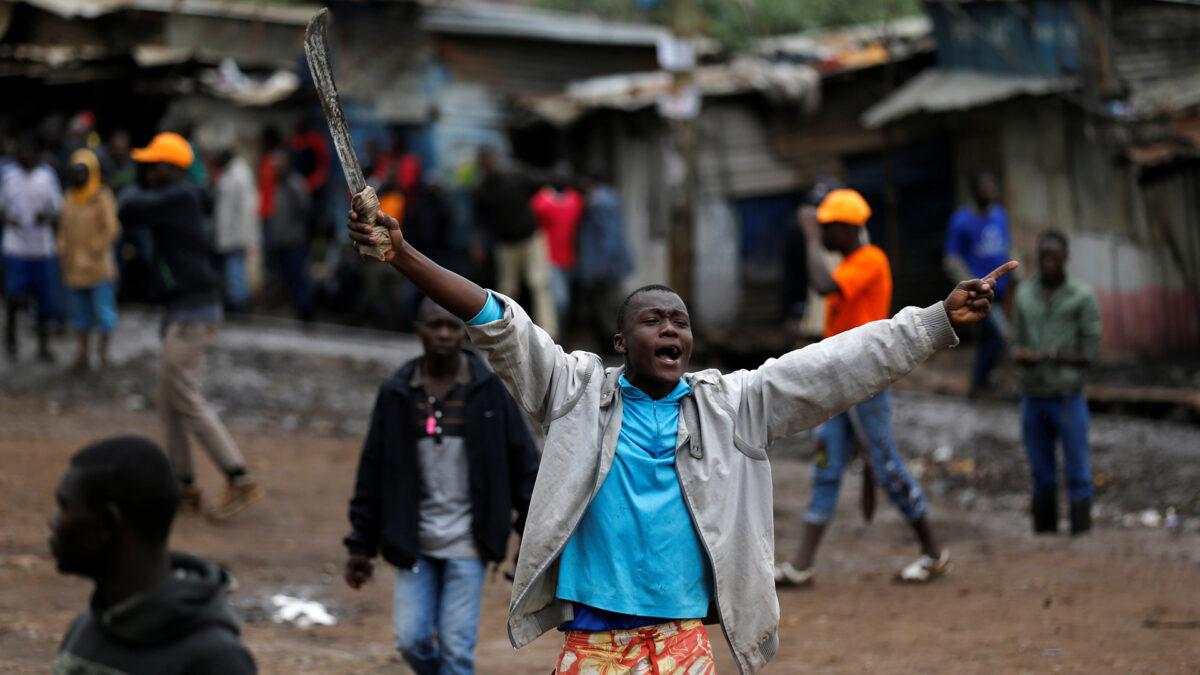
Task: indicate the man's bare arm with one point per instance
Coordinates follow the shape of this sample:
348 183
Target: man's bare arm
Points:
459 295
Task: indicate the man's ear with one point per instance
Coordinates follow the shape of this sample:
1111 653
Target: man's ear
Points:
112 520
619 343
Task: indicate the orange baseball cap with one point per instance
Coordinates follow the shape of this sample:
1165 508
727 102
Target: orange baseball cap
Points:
168 147
844 206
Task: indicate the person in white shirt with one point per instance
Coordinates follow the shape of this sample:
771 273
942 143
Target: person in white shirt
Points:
237 231
30 201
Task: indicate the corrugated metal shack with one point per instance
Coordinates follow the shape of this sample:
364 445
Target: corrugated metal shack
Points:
64 55
1088 112
770 123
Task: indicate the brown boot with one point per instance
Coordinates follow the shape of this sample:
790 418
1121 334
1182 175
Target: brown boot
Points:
190 501
238 495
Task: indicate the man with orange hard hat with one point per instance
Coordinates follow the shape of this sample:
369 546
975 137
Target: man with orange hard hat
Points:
858 291
172 209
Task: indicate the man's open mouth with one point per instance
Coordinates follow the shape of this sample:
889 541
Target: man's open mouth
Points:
669 354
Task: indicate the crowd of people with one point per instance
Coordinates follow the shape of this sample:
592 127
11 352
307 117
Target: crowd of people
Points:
643 514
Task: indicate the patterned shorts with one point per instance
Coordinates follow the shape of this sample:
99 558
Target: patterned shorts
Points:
674 648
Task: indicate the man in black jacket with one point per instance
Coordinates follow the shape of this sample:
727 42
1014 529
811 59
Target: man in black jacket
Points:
171 208
152 611
447 460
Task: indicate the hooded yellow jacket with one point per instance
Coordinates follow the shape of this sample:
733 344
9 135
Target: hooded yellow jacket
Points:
87 229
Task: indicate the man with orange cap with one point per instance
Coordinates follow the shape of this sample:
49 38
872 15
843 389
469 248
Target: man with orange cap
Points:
857 291
171 207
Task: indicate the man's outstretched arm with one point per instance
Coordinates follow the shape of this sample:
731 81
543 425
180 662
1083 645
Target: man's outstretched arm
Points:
459 295
808 386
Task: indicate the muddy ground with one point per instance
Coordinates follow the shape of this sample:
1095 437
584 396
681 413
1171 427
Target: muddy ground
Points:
1124 599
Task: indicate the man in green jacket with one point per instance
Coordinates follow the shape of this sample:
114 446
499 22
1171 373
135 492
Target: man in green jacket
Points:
1056 336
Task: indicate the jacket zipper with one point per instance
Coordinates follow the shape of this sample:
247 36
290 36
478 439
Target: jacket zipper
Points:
737 659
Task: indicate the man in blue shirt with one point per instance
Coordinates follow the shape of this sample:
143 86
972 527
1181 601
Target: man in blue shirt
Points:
977 242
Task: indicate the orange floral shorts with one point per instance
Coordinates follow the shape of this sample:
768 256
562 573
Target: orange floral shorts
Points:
674 648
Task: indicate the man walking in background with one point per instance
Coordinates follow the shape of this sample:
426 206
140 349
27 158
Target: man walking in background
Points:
1055 337
857 292
171 207
152 611
86 233
977 241
606 260
557 208
447 459
237 231
502 210
30 202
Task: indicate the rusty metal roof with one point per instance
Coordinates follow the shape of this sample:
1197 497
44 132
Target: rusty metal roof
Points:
634 91
478 18
90 9
938 90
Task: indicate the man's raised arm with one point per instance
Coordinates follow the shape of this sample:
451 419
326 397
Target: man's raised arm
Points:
459 295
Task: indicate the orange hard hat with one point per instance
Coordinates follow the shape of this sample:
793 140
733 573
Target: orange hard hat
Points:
168 147
844 206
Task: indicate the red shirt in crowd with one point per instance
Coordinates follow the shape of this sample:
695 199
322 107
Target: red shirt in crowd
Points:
558 215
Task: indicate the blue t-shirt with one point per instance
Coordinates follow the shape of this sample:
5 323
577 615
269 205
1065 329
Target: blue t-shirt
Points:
982 240
636 551
636 559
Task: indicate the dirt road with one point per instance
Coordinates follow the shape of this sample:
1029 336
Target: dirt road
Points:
1123 600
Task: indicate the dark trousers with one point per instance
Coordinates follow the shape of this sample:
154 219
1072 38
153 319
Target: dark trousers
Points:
1044 421
292 263
991 347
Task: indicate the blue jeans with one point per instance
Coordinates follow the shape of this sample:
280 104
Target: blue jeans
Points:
37 279
837 437
442 596
1043 422
987 355
233 264
93 308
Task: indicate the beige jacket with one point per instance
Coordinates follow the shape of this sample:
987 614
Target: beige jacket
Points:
86 232
726 425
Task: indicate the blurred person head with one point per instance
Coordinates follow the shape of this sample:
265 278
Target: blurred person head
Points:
282 164
83 175
27 152
1052 257
116 503
843 214
984 189
222 158
654 335
270 139
561 175
118 145
441 332
81 126
166 159
595 177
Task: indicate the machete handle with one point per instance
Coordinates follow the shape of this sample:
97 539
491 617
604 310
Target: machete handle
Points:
366 205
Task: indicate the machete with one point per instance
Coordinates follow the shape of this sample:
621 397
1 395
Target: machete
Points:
365 202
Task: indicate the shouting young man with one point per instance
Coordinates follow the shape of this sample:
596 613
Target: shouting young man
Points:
652 512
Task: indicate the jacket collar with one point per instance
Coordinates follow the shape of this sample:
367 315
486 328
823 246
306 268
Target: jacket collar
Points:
612 379
463 377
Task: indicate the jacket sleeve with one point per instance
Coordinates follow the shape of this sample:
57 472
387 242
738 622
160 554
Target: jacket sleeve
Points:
523 459
365 505
110 226
545 380
810 385
1090 327
138 206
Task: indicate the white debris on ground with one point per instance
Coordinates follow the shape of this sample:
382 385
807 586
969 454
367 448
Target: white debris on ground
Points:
302 613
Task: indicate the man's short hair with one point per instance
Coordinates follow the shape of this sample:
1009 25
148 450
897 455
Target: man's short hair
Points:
624 308
132 473
1053 235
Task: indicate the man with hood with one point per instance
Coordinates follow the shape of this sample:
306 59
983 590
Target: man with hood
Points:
86 231
152 612
652 509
